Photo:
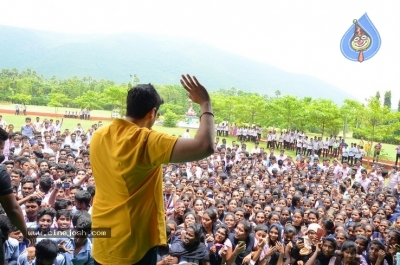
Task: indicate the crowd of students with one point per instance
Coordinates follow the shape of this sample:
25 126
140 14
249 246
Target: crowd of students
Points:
243 205
53 184
250 205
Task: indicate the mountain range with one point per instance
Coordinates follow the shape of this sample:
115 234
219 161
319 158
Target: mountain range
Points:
157 59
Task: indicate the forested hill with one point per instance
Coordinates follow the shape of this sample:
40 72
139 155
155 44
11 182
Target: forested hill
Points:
155 59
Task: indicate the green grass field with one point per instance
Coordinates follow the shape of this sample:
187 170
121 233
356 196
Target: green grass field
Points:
51 110
388 150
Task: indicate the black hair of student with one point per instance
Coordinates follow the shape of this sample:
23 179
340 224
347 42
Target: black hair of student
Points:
296 200
198 233
289 229
247 226
43 172
70 168
397 232
2 211
301 188
3 135
46 249
52 164
239 209
19 172
62 204
363 226
272 214
28 180
378 243
263 228
75 187
64 212
141 100
5 226
315 212
83 196
77 215
329 224
218 201
344 233
45 184
212 214
170 221
168 231
84 223
36 200
22 160
42 161
91 190
247 201
349 245
196 217
46 211
331 240
363 238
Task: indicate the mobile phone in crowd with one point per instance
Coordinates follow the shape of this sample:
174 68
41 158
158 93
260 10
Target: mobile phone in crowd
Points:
211 196
65 185
59 185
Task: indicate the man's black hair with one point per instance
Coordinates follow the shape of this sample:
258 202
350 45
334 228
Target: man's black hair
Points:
83 196
46 249
3 135
46 211
45 183
91 190
62 204
84 223
5 225
142 99
64 212
28 180
78 214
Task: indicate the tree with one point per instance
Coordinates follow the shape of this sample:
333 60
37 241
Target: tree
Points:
164 108
21 98
285 111
387 101
277 93
90 100
378 95
57 100
351 111
170 119
398 106
377 122
325 114
116 96
250 108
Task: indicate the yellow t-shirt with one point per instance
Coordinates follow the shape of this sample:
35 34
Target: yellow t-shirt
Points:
126 162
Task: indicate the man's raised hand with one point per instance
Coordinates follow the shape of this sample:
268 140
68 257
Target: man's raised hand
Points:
197 93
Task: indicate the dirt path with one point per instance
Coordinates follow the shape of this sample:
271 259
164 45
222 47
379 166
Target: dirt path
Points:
52 115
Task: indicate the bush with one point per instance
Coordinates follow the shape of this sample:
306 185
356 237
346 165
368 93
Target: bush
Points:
170 119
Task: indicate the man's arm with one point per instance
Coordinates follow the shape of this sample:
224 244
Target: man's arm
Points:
10 204
202 145
14 212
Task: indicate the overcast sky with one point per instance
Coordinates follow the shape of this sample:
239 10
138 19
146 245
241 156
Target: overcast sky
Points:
296 36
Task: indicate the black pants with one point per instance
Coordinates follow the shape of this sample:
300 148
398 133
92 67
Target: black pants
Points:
397 159
149 259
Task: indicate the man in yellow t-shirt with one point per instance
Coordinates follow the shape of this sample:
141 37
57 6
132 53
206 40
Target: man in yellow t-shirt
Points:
126 159
361 143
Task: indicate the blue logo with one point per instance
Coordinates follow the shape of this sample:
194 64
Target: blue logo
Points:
361 41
